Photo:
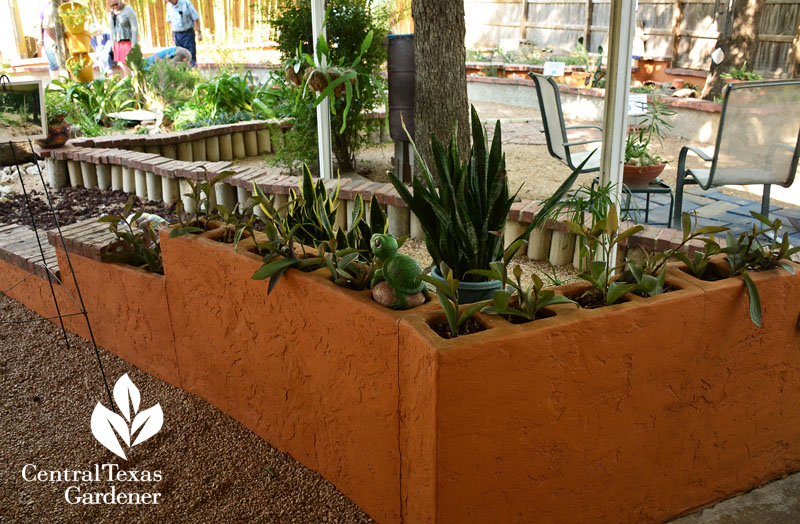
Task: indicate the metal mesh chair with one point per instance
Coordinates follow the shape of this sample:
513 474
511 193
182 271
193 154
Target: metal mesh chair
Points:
556 132
758 141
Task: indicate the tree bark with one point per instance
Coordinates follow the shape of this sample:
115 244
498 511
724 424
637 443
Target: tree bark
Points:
740 47
440 97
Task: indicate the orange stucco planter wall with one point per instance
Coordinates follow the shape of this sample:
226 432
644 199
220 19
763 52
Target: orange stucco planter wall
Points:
311 368
629 414
634 413
128 310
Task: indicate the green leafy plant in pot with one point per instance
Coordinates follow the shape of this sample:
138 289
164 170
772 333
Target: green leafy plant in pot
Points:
57 109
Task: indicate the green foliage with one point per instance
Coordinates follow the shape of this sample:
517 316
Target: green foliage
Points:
447 292
760 248
596 69
463 218
56 106
136 63
133 245
201 194
741 74
347 24
650 274
637 145
347 271
647 89
173 82
309 220
77 14
599 241
278 250
526 301
231 93
96 99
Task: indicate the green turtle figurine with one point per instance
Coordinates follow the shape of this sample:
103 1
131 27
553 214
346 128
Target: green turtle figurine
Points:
401 272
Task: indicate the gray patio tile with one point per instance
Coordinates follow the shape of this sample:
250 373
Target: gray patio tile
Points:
793 212
717 208
719 195
702 200
755 206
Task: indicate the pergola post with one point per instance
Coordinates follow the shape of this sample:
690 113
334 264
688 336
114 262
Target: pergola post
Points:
618 79
324 108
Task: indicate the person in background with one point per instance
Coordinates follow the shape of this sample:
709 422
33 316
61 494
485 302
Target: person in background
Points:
185 22
48 24
103 48
124 31
178 55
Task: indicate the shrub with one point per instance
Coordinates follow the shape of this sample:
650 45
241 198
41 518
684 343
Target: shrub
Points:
347 24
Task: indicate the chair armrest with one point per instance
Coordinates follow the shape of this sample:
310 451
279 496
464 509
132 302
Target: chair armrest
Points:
682 158
697 151
582 142
584 127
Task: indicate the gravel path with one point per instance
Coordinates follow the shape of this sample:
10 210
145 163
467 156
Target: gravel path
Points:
213 469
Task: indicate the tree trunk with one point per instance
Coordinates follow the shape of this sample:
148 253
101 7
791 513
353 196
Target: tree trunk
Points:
739 47
440 97
61 39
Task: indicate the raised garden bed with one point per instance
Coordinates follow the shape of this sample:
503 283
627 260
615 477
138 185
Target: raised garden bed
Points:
637 412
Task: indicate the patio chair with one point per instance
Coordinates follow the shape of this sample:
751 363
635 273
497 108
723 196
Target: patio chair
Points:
758 141
556 132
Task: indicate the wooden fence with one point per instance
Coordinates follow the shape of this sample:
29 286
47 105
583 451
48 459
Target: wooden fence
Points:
227 21
685 30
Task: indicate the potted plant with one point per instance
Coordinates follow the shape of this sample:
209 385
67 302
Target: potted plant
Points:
57 108
80 67
641 164
735 76
74 16
463 210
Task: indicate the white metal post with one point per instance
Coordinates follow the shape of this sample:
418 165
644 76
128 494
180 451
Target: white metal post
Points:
324 108
618 80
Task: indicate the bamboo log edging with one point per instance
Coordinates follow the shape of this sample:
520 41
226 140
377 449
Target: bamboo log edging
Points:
155 177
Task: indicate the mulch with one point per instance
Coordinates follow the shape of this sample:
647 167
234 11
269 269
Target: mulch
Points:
73 205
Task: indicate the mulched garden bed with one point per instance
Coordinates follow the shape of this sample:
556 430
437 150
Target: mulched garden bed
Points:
73 205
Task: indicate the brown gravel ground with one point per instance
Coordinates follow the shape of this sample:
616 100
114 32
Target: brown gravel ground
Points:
214 470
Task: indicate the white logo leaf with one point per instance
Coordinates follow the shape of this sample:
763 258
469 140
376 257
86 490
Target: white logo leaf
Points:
104 423
150 420
126 394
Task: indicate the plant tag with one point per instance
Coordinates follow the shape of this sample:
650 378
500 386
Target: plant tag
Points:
637 104
553 69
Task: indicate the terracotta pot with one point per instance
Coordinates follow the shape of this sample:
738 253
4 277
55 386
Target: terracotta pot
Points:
641 176
57 135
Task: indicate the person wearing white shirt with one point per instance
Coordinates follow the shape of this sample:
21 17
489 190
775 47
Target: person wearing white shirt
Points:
185 23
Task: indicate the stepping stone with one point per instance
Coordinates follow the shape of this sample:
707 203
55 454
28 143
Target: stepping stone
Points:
139 115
